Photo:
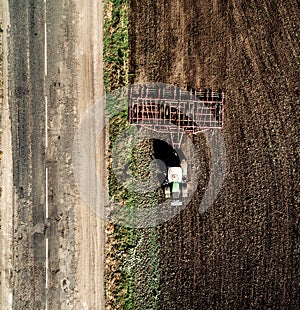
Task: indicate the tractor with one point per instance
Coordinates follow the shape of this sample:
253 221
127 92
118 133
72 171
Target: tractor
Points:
175 185
167 109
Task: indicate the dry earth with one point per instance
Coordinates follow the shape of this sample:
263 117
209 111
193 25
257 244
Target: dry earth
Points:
243 253
72 82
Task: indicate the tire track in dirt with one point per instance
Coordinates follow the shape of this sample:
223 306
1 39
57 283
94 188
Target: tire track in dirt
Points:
242 253
75 247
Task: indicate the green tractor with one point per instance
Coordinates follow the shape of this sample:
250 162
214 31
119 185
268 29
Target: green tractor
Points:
175 186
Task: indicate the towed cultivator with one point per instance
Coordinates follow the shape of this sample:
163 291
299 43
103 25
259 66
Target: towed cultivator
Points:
167 109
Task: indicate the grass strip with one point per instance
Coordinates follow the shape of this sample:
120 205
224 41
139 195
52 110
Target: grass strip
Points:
131 275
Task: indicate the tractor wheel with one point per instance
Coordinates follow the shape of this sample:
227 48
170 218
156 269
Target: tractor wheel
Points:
184 191
167 192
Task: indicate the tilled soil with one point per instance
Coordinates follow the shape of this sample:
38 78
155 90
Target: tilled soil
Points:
244 251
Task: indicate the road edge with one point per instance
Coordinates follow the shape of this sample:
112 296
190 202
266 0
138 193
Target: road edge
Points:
6 180
89 231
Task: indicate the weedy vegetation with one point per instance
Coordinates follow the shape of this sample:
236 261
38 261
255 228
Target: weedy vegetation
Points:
131 275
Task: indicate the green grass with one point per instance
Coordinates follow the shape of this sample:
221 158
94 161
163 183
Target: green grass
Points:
119 283
115 44
131 275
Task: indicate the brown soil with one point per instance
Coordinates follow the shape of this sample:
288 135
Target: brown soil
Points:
244 251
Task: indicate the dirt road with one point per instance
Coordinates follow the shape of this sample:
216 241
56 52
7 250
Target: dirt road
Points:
52 243
6 245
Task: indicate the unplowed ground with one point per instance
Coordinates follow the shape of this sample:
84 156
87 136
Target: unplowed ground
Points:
244 251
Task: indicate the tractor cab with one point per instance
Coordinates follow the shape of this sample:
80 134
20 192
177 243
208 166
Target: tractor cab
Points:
175 184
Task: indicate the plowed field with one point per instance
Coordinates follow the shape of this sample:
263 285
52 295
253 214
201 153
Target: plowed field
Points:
244 251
